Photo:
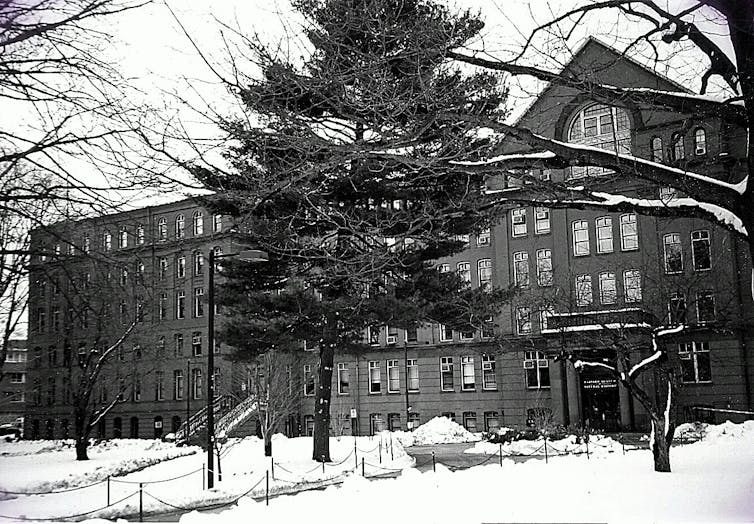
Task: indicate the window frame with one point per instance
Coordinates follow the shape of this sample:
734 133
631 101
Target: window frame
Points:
700 141
521 275
374 377
633 277
692 351
542 224
343 386
603 279
489 369
581 247
446 374
518 222
468 370
604 232
672 240
626 220
704 238
392 366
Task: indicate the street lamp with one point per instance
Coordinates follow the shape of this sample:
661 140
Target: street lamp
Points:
248 255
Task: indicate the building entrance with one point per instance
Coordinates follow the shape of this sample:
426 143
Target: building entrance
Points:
600 400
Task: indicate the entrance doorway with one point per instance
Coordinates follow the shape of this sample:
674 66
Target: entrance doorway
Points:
600 400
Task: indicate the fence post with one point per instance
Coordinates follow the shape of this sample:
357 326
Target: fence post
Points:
363 471
141 502
501 454
380 448
272 466
323 464
203 476
108 490
433 462
355 456
587 447
545 449
623 444
391 447
267 488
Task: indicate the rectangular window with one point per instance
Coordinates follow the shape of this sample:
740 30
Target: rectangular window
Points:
446 334
343 378
544 267
412 367
705 307
541 220
412 335
163 268
488 327
196 383
545 313
608 289
375 380
629 233
484 269
632 285
163 306
446 373
584 295
483 238
604 235
673 253
159 386
17 378
489 377
469 420
309 425
695 362
393 377
217 223
521 269
394 421
391 336
677 308
523 320
198 302
177 384
491 422
464 271
196 343
180 304
537 370
466 335
518 222
373 335
580 230
443 268
177 345
180 266
468 378
700 250
198 264
308 380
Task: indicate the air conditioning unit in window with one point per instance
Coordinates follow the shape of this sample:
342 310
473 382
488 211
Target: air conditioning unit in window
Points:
519 219
486 366
390 339
445 368
542 213
542 363
684 356
528 364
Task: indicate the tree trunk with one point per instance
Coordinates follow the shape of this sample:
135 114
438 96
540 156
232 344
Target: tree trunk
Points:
659 443
81 432
267 445
322 403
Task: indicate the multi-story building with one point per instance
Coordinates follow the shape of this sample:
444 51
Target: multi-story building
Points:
13 399
582 273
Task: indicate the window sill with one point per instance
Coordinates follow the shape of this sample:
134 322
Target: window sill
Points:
394 392
447 391
468 390
490 389
699 383
535 388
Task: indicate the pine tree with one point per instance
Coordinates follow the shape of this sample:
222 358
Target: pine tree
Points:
318 181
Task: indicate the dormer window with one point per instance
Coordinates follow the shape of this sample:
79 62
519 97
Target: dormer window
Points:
601 126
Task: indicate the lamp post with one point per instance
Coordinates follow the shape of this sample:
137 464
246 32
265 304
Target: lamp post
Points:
249 255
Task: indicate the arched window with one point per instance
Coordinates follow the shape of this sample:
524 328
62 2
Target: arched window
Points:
180 226
140 234
198 223
162 229
700 142
657 153
107 241
123 238
601 126
677 150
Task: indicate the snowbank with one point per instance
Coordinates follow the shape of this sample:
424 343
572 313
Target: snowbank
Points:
597 444
439 430
51 465
711 482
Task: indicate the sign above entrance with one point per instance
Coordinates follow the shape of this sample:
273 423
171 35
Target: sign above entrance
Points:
602 383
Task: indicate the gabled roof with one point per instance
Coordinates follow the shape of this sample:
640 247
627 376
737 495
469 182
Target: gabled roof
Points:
578 55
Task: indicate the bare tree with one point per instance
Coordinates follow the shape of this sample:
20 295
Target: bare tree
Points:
638 345
275 391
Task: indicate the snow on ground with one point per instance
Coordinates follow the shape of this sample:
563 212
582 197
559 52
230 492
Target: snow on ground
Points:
712 481
49 465
243 466
570 444
439 430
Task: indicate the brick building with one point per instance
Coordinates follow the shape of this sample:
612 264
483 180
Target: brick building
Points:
13 399
582 274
